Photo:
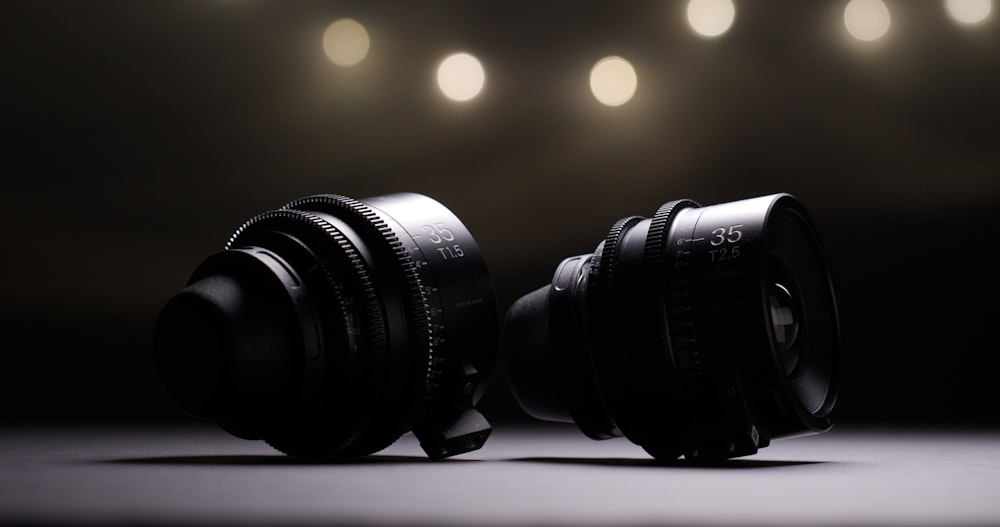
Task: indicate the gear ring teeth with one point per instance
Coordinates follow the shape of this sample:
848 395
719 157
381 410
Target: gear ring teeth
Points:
603 274
654 251
421 328
658 228
417 311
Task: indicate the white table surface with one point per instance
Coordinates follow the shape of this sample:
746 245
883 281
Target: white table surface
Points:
199 475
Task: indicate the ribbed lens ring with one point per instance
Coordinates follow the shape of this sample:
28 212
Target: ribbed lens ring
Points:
332 328
410 370
605 299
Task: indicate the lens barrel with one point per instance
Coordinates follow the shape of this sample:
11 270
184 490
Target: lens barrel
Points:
702 331
332 326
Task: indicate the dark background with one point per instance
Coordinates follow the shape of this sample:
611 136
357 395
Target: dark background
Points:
139 135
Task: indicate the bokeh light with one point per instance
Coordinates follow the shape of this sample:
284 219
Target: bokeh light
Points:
968 11
613 81
345 42
866 19
461 77
711 18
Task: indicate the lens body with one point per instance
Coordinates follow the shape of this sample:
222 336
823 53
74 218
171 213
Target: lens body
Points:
701 331
332 326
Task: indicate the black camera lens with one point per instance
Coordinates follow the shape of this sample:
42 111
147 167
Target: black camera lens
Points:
332 326
702 331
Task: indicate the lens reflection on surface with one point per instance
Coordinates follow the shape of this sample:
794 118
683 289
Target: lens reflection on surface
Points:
785 326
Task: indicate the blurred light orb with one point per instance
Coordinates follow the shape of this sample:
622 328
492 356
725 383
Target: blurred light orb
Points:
345 42
461 77
613 81
866 19
711 18
968 11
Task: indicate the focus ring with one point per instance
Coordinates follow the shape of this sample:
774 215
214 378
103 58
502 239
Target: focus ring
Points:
656 251
425 367
670 320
